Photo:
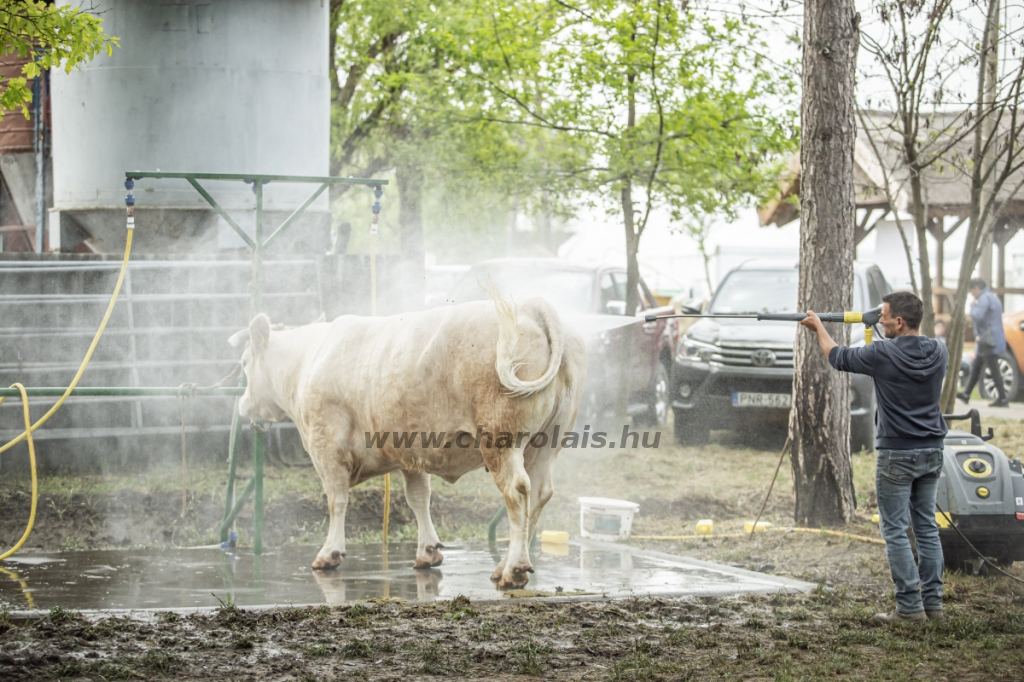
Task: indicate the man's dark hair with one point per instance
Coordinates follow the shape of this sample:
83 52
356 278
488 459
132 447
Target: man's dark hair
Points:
977 283
906 305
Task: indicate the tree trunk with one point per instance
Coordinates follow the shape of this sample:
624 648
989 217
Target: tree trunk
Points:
819 422
979 218
628 218
920 209
410 234
632 300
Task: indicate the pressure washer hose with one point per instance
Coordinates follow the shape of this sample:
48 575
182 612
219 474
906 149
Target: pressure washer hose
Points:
821 531
30 427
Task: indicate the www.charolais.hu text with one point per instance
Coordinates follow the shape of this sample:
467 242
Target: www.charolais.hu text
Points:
505 439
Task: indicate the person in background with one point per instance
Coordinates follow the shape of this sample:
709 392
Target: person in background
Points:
940 332
989 340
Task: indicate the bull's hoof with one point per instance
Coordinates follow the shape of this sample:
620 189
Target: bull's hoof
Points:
498 572
327 563
516 578
433 557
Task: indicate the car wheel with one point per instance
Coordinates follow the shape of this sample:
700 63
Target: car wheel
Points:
1011 379
689 428
657 408
862 434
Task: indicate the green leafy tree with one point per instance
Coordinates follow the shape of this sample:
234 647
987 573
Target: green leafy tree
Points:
405 99
53 36
677 110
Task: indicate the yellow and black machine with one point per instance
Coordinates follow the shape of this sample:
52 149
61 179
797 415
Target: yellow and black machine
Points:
981 500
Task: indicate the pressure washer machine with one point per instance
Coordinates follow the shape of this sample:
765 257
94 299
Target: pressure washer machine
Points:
981 495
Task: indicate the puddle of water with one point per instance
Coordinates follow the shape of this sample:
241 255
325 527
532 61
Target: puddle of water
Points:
189 578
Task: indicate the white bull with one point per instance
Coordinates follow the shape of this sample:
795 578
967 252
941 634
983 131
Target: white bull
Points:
469 371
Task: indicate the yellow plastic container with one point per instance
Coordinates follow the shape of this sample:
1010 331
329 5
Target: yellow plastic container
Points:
761 525
554 537
705 527
875 518
556 548
942 520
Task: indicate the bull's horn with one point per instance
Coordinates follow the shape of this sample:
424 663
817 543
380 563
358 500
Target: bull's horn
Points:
238 338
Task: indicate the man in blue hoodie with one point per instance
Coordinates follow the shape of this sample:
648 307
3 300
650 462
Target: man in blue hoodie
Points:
990 341
908 374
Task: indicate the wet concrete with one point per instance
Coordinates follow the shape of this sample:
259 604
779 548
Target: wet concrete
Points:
197 578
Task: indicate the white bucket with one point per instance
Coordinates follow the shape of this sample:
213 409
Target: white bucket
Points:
602 518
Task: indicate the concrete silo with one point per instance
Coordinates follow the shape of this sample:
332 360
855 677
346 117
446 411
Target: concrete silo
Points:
214 86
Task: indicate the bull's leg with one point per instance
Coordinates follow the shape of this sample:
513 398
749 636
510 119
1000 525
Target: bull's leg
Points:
335 478
513 482
541 488
417 494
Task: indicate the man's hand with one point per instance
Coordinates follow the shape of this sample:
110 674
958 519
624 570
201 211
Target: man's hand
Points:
813 322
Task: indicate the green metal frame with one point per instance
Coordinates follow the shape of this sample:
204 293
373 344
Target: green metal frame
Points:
258 244
106 391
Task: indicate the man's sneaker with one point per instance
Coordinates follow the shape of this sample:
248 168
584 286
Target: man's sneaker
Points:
1002 402
897 617
964 397
934 615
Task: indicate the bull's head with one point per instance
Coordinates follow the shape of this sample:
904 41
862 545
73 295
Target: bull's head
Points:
258 400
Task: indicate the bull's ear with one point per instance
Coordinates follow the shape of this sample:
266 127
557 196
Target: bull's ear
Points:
259 332
238 338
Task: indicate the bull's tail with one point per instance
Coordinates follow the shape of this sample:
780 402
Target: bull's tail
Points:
510 353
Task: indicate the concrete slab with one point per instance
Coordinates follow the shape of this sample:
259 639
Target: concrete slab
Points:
199 578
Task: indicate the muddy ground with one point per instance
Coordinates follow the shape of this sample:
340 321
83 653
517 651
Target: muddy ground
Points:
824 635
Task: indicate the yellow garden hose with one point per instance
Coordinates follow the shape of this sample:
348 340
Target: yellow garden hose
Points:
30 427
32 465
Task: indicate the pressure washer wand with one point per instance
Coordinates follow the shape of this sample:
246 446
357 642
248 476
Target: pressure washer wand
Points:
869 318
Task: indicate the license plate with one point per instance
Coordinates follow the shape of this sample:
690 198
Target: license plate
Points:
761 400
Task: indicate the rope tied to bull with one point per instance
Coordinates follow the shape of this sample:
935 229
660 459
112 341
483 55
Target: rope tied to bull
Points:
189 389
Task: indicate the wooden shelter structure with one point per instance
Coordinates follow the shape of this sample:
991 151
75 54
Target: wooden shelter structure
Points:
946 184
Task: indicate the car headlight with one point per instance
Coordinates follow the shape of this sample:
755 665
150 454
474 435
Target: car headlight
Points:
694 350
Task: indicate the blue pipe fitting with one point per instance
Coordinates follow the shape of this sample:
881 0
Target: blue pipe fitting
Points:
232 541
129 200
376 207
129 184
378 192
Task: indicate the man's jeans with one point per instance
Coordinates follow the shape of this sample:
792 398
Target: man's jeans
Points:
905 483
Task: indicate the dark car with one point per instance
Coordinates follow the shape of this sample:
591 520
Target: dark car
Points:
738 373
623 352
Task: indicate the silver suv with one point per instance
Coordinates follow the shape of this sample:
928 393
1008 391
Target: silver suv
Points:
737 373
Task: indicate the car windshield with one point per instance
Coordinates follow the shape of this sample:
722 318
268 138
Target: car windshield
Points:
762 291
570 291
